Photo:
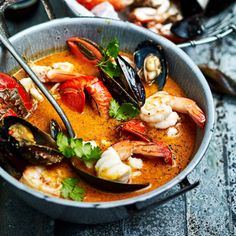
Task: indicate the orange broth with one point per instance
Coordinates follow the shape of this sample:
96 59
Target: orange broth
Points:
90 126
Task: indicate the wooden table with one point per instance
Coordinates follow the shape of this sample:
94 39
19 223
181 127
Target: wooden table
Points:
208 210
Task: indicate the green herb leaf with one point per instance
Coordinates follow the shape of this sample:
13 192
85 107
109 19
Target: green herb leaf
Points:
111 69
74 147
112 49
95 153
107 62
113 108
70 190
123 112
63 144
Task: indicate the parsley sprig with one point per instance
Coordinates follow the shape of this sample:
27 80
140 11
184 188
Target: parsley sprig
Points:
109 54
74 147
123 111
70 189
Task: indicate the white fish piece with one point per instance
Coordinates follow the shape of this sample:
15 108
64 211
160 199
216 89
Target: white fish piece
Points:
110 167
135 163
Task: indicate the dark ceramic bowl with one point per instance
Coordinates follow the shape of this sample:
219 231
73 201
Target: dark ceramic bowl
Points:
49 37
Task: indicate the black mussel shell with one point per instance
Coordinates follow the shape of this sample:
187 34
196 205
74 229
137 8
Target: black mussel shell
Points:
55 129
106 185
126 88
147 48
131 81
188 28
43 152
9 161
218 81
190 7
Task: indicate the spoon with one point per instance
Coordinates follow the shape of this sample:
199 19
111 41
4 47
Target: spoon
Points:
91 179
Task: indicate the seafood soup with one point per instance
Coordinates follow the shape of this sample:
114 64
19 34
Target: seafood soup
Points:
135 129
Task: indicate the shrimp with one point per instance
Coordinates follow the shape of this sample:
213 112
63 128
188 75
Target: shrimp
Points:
46 179
159 110
58 72
111 167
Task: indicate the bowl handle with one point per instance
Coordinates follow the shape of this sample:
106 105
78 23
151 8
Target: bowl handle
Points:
185 186
231 29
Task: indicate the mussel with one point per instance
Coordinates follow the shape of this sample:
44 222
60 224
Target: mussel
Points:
25 141
151 64
199 21
219 81
128 86
125 88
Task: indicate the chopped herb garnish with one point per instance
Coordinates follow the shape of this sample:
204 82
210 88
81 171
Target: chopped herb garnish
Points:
74 147
70 190
123 111
107 64
112 49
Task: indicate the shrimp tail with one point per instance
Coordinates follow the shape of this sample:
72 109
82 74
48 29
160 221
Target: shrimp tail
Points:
197 115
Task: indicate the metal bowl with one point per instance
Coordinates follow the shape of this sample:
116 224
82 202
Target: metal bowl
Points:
50 37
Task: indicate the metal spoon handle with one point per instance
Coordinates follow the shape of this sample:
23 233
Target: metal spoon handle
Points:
193 43
3 26
48 8
39 84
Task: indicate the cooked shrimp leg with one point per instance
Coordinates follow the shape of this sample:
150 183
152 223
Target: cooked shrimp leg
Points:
127 148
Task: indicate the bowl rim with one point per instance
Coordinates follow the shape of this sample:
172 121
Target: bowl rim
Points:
154 193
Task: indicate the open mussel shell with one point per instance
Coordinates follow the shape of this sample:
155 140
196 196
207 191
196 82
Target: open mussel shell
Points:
131 81
128 86
42 151
147 49
106 185
218 81
10 163
189 28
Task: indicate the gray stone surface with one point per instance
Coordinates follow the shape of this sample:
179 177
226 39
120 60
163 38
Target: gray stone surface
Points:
208 210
